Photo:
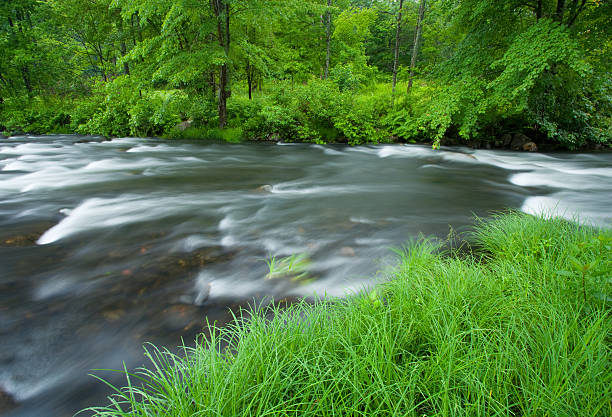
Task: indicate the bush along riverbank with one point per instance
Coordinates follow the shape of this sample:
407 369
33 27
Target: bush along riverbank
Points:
520 329
318 111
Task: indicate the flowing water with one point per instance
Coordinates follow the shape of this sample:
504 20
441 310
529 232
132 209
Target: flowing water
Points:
106 245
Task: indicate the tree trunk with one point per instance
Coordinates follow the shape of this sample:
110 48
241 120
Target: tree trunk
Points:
221 11
223 75
122 46
249 74
396 49
328 37
25 75
417 41
539 10
213 84
560 10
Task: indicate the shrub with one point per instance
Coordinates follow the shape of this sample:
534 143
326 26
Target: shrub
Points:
120 108
38 115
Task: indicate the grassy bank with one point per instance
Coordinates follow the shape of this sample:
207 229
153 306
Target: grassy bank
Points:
521 329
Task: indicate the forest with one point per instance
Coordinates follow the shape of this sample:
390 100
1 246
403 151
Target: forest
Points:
320 71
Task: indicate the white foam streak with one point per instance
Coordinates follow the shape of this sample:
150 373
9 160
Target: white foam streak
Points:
404 151
297 189
99 213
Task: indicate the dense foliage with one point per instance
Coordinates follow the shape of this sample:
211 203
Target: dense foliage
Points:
309 70
522 329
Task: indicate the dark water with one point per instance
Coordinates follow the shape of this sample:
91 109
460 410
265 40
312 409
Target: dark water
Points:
105 246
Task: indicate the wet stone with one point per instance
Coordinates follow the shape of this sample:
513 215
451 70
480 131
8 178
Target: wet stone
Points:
7 402
266 188
347 251
20 241
182 316
113 315
26 235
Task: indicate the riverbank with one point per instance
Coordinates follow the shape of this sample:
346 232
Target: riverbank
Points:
235 135
518 325
315 112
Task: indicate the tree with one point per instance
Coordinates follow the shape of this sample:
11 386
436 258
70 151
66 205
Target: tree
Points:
518 65
33 57
397 44
328 35
417 41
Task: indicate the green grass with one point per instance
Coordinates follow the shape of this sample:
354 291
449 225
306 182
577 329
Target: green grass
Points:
294 267
520 329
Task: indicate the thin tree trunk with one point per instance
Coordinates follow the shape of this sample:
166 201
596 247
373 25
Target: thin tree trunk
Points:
25 74
132 30
328 37
560 10
417 41
539 10
100 53
123 46
249 74
213 83
223 75
396 49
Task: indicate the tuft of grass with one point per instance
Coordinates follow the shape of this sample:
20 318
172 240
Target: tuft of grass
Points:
294 267
508 332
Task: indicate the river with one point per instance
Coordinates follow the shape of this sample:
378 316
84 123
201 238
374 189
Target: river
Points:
106 245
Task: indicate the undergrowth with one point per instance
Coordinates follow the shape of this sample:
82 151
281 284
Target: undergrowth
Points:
522 329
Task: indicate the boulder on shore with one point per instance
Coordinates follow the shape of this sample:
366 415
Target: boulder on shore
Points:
506 139
518 140
530 147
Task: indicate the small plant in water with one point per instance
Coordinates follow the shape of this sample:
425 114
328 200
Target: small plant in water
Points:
294 266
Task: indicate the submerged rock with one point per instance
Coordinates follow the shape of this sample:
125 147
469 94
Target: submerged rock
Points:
266 188
347 251
113 315
28 237
20 240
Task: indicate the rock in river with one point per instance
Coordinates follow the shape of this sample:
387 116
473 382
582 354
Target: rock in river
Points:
7 402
